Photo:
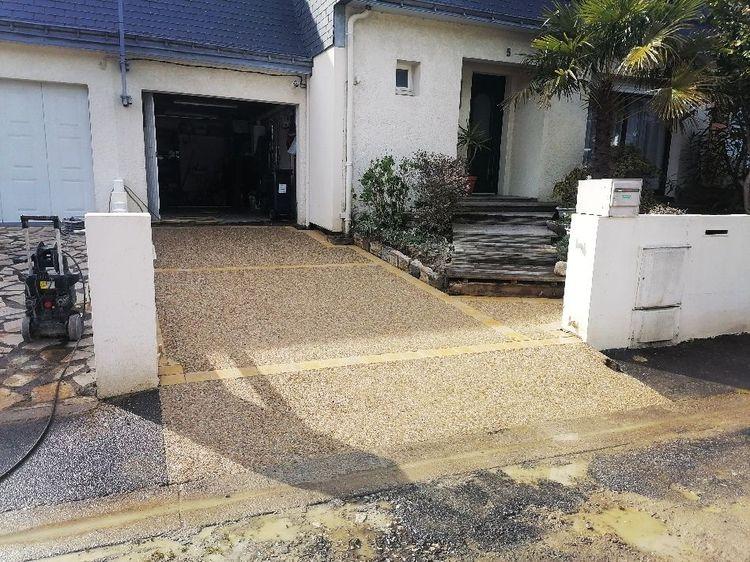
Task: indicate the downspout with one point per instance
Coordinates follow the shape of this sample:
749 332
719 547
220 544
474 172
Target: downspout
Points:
124 97
350 115
307 154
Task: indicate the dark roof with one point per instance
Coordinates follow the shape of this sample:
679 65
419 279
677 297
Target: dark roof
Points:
252 29
520 13
315 19
282 34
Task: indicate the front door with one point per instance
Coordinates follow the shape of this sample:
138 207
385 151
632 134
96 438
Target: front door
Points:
487 93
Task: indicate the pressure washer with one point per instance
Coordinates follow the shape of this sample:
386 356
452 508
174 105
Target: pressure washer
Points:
51 299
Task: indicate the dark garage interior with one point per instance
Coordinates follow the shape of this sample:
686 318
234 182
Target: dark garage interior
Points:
225 159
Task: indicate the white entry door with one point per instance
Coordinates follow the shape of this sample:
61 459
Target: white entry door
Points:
45 150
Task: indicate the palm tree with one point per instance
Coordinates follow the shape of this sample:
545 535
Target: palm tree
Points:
593 47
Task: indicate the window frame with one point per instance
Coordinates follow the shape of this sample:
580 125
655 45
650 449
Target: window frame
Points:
409 68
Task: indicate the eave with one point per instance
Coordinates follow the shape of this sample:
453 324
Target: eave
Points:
153 48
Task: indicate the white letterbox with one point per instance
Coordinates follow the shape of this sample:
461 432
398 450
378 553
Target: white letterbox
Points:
609 197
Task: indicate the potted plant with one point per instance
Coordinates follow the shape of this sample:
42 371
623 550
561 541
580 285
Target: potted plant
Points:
473 139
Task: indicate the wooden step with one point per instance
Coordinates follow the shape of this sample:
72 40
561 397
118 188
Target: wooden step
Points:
495 230
506 289
520 273
503 246
512 212
508 220
498 254
472 245
507 204
501 259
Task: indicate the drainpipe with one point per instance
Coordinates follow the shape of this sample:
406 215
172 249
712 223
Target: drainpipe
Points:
350 115
124 97
306 153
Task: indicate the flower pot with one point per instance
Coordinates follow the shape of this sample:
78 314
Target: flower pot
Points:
471 183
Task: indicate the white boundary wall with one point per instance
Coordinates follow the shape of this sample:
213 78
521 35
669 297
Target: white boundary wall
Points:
634 281
123 303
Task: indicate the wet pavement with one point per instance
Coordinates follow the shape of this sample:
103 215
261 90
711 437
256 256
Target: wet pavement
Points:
690 500
28 370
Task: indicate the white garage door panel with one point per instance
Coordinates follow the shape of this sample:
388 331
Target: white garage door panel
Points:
24 184
68 148
45 150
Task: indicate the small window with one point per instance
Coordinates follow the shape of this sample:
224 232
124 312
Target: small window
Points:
402 78
406 77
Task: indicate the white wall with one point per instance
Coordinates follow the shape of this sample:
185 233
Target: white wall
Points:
385 122
117 132
603 275
525 162
123 303
327 91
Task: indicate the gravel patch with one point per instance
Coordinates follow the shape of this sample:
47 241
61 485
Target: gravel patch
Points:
663 469
115 448
366 411
233 246
532 317
214 320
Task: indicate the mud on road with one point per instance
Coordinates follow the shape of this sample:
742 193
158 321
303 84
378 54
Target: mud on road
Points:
685 498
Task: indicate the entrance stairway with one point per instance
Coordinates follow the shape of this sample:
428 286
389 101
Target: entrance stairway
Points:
503 247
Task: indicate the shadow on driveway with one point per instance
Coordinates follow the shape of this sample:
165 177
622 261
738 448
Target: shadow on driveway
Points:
221 428
691 369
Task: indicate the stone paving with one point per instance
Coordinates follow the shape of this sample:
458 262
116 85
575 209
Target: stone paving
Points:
28 370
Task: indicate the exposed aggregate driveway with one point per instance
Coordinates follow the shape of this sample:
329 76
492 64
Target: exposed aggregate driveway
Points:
281 349
291 364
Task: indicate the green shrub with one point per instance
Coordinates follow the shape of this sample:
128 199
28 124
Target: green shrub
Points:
437 184
627 162
385 197
716 167
565 191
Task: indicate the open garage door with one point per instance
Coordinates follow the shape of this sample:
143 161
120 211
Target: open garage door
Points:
45 150
221 159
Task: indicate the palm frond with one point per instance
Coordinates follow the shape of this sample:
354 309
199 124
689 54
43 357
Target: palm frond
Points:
688 90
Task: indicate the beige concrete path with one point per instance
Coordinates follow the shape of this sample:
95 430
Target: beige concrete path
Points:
294 350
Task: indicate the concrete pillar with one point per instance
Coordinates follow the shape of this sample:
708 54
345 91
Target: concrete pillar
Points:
121 281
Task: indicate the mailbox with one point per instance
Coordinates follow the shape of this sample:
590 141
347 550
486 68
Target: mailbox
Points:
609 197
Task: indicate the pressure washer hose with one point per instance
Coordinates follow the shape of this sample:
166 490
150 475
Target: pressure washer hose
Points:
20 462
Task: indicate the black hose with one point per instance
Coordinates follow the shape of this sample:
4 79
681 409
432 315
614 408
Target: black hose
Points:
20 462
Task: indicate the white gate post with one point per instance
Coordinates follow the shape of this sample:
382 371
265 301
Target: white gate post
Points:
598 301
121 282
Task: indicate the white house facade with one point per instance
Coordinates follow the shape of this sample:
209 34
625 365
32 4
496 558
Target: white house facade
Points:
275 109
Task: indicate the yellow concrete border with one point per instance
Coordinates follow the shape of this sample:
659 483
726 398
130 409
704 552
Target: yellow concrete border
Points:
358 360
455 302
262 267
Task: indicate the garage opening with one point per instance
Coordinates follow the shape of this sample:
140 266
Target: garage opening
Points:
221 160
